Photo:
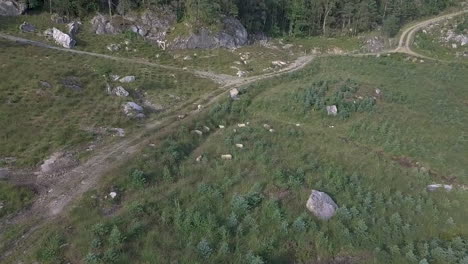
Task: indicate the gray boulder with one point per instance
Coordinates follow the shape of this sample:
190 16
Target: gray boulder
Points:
321 205
233 35
12 8
63 39
120 91
73 28
332 110
127 79
132 109
234 93
27 28
434 187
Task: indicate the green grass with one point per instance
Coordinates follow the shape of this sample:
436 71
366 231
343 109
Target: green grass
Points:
252 209
38 120
13 199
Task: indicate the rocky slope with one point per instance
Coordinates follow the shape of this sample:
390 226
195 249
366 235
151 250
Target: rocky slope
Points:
11 8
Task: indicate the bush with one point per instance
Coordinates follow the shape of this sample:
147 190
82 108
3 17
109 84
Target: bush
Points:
138 178
204 248
391 26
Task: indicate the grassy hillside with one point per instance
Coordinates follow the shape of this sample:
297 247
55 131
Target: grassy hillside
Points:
375 159
42 111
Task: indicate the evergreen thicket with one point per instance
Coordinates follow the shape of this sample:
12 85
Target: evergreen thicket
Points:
274 17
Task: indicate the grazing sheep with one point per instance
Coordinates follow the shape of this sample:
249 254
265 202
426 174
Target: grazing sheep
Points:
240 145
226 157
198 132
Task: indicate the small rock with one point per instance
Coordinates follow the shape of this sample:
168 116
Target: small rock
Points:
241 74
332 110
120 91
434 187
114 77
27 28
234 94
278 63
454 46
113 47
45 84
207 129
321 205
72 83
118 131
127 79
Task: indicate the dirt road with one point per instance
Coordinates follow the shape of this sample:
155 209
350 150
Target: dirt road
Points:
407 36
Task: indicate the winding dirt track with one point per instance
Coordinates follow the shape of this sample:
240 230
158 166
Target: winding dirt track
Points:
77 181
407 36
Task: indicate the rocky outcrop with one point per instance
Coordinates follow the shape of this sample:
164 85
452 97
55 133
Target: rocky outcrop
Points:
152 25
321 205
12 8
374 44
63 39
233 35
103 25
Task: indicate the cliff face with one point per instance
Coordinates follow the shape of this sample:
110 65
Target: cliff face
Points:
155 26
11 8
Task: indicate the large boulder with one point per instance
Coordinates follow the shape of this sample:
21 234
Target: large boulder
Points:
12 8
27 28
73 28
233 35
63 39
131 109
321 205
